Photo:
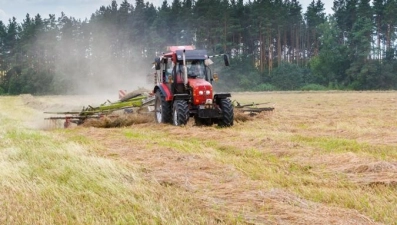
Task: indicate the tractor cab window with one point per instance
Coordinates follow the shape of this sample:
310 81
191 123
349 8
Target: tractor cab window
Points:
179 71
168 71
195 68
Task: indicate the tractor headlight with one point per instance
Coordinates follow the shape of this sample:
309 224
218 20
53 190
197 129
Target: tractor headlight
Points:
201 92
207 92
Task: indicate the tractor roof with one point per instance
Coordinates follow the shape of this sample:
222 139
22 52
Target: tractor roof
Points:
175 48
192 54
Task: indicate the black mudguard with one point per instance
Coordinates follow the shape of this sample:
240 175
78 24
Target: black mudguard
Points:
222 96
181 97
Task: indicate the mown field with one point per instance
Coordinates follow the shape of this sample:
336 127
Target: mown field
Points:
318 158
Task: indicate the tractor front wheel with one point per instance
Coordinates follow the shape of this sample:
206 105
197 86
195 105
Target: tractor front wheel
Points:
180 112
162 109
227 113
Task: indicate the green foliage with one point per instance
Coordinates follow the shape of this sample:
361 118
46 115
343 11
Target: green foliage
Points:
287 77
265 87
12 81
65 55
241 75
248 81
29 81
314 16
314 87
330 66
362 72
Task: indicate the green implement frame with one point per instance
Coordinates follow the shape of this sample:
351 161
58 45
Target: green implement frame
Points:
78 117
252 108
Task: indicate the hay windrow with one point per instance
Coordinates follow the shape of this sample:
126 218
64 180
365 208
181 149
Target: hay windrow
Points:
374 173
374 167
241 117
119 121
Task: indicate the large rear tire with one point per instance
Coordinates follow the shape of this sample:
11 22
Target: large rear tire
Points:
162 109
227 113
180 113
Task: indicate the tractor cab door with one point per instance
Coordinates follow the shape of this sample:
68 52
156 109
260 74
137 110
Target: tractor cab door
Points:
167 71
177 73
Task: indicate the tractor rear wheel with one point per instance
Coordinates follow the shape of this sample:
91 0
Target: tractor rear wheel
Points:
180 112
227 113
162 109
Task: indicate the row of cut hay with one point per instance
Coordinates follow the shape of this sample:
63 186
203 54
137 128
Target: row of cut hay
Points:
134 119
119 121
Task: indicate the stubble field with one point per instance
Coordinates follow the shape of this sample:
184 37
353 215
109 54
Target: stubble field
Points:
318 158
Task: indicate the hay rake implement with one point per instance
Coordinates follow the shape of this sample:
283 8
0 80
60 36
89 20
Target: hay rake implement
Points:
252 108
130 105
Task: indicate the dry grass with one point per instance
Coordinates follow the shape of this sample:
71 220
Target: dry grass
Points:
47 179
319 158
242 117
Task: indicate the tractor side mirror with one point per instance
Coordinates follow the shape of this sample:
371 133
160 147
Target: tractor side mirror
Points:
157 63
208 62
215 77
226 59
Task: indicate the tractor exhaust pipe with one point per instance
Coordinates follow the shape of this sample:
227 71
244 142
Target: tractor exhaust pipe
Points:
184 68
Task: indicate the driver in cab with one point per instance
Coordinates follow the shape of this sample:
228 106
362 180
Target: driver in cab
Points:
195 69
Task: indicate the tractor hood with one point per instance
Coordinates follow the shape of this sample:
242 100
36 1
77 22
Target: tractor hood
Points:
202 91
199 83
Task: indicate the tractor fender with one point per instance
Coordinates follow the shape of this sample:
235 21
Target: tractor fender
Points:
164 90
222 96
181 97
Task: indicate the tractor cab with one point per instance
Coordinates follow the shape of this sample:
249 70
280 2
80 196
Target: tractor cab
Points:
179 66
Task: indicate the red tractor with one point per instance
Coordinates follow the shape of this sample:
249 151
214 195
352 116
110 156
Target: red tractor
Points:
183 89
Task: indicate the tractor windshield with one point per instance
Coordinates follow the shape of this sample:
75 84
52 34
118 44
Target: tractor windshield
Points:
195 68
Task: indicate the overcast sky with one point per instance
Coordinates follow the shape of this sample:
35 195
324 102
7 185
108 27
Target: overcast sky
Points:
80 9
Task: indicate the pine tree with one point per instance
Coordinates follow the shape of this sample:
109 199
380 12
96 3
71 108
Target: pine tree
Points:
160 29
345 12
360 70
295 21
329 67
2 57
378 7
390 24
314 16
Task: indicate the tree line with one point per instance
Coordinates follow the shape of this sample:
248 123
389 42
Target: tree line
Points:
272 44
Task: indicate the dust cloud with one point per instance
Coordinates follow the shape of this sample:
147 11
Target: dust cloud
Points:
101 64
